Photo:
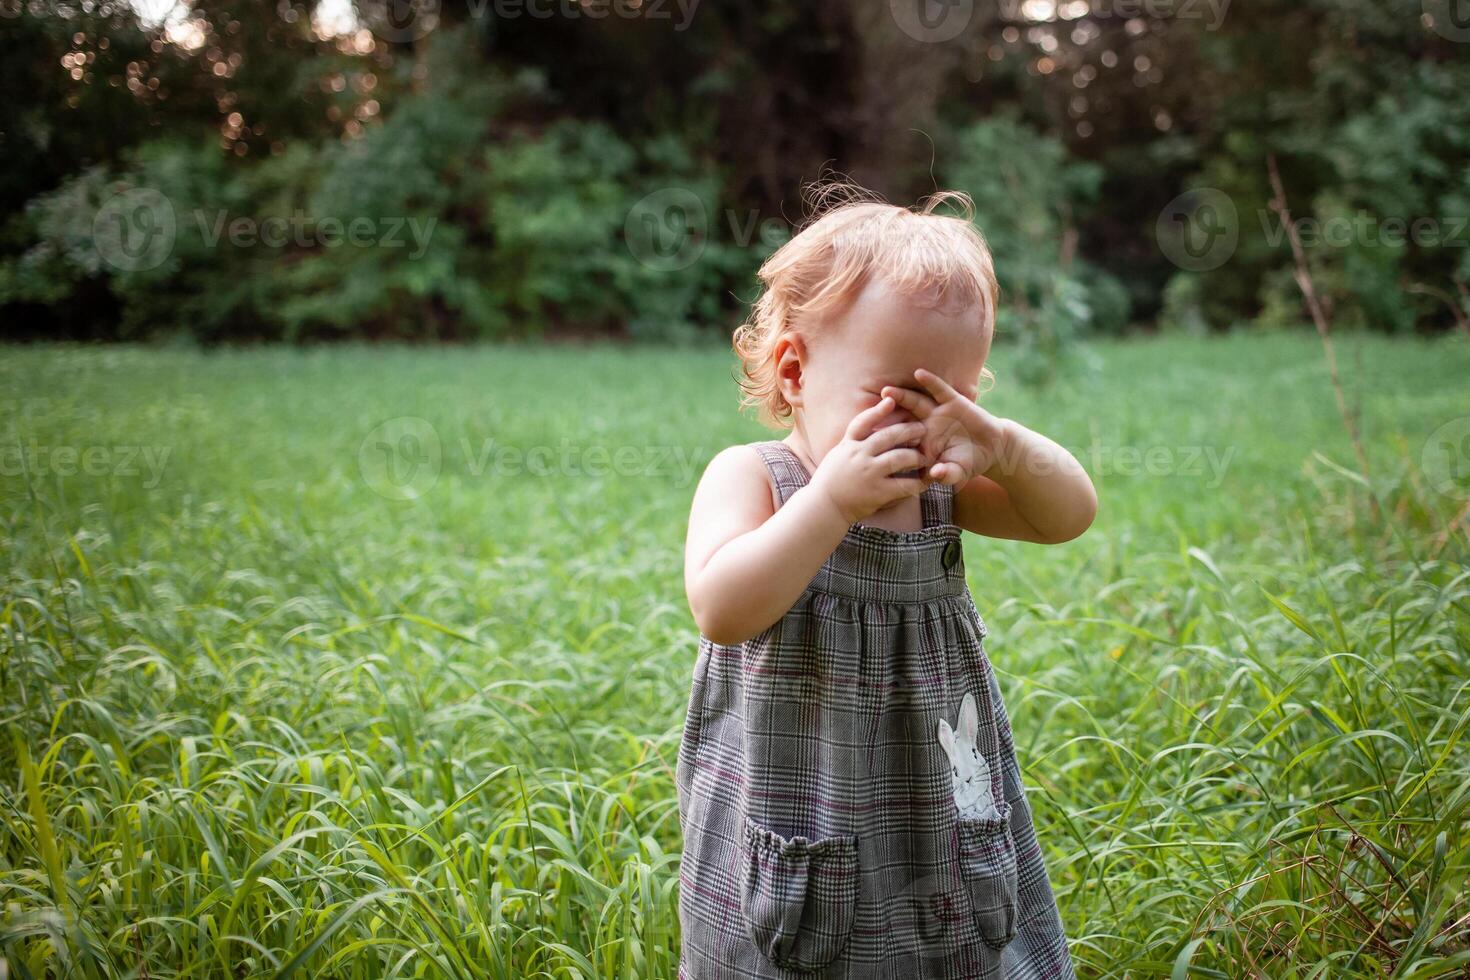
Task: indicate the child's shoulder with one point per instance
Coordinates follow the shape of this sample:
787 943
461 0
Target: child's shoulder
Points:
742 459
747 455
741 468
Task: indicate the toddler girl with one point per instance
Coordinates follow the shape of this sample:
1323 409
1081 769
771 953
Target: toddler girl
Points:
848 787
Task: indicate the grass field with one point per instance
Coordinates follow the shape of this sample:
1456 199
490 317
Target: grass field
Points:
286 692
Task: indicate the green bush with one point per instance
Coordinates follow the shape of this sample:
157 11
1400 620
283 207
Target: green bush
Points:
473 226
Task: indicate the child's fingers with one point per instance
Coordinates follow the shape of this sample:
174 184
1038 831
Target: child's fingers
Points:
949 473
903 458
864 422
916 402
890 436
943 430
936 386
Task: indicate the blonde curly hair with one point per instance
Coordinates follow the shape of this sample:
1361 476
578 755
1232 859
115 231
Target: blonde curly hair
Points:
853 237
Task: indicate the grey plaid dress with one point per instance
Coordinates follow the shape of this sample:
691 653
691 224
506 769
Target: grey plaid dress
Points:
821 831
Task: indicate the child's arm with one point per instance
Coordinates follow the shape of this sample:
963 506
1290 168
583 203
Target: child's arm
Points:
746 562
1035 491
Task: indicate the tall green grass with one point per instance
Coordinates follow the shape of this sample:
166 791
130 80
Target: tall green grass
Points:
261 719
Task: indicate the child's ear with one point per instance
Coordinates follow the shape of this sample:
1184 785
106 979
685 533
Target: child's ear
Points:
790 353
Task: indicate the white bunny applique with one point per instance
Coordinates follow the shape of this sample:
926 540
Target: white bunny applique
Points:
973 797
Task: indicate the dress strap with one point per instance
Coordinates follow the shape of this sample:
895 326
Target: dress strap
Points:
937 504
787 472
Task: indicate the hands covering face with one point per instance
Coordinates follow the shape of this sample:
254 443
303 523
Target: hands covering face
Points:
961 439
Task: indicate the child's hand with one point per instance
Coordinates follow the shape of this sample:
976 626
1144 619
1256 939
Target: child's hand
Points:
858 474
961 438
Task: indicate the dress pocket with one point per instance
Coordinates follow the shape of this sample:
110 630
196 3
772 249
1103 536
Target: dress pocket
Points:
988 867
799 897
